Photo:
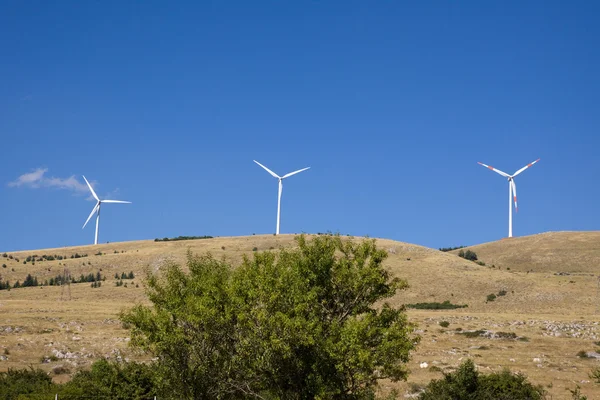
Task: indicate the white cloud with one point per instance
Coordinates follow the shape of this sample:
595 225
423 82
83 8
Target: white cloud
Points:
38 179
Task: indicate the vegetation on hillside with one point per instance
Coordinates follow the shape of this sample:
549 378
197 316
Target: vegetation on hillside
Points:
468 384
299 324
446 305
166 239
31 281
137 381
446 249
468 255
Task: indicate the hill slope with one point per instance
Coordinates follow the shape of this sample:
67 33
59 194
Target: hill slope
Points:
573 252
44 326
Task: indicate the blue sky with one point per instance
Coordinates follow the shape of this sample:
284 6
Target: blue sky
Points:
391 104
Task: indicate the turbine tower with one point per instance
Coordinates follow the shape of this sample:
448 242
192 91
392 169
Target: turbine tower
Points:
96 209
281 178
512 190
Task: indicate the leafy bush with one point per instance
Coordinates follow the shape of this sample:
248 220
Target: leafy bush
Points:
17 383
446 305
112 380
470 255
303 323
467 384
444 324
491 297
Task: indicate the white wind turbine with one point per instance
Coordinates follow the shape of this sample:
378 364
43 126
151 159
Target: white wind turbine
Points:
281 178
96 209
512 190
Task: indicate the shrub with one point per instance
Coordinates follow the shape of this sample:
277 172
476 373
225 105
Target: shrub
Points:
3 265
472 334
112 380
582 354
60 370
467 383
444 324
491 297
20 383
506 335
255 249
502 293
304 323
446 305
470 255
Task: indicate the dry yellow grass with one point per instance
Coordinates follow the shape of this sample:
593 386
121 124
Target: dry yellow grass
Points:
555 313
576 252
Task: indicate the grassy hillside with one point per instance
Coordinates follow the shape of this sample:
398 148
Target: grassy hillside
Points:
572 252
537 326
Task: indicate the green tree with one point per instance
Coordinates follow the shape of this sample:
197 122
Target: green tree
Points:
299 324
467 384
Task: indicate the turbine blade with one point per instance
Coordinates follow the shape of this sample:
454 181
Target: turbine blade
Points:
91 190
92 213
280 190
294 173
504 174
116 201
525 167
267 169
514 191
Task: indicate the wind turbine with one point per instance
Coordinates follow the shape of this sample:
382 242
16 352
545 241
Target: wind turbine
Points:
512 190
96 208
281 178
